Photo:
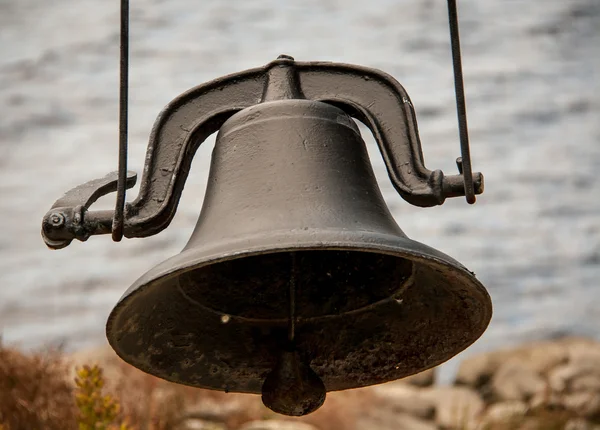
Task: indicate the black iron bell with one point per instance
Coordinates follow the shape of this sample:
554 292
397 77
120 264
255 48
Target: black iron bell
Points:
296 280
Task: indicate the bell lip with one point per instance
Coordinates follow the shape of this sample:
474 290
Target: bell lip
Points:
301 240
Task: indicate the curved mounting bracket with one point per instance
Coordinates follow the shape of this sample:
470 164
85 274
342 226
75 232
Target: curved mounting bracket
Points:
369 95
65 220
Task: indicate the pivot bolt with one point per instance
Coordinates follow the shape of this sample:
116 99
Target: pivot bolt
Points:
57 219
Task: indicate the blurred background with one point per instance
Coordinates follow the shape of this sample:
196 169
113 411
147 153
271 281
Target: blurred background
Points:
532 77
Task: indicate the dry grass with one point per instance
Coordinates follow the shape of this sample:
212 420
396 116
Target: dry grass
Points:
40 391
153 404
34 392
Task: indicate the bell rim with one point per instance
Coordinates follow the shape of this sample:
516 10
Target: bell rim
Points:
375 242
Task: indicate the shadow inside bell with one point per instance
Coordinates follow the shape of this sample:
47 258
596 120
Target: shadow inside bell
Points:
326 282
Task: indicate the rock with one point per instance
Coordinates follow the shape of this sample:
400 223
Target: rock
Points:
532 423
584 352
540 356
213 410
423 379
586 383
584 404
454 406
578 424
200 425
504 412
575 376
404 398
393 421
547 399
478 370
277 425
516 380
560 377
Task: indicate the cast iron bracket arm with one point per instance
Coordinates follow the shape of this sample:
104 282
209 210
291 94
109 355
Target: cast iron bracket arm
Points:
176 135
69 218
367 94
379 101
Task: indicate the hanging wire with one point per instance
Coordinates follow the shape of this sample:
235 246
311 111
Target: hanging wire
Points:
464 162
119 216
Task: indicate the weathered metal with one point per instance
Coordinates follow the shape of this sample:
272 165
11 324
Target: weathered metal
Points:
368 95
297 279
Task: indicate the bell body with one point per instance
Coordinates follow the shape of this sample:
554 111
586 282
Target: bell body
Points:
290 167
293 215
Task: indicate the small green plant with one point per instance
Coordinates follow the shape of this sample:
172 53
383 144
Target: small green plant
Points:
97 411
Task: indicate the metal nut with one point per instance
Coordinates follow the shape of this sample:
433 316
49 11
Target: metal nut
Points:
57 219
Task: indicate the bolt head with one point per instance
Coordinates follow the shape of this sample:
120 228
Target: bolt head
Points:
57 219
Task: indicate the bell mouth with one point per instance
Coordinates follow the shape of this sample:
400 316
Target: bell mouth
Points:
431 309
326 284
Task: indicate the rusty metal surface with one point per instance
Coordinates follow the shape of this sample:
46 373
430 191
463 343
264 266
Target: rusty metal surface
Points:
371 305
357 303
369 95
164 330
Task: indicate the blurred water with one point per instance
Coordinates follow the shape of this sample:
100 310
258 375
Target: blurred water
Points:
532 74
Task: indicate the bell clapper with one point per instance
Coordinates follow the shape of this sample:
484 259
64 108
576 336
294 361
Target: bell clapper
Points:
292 387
